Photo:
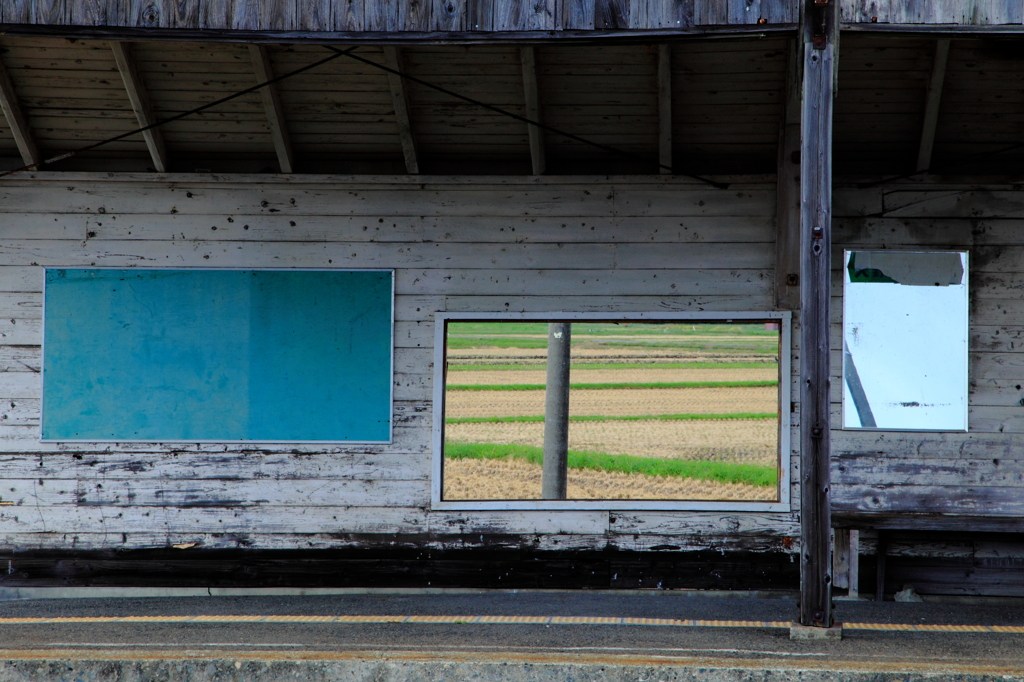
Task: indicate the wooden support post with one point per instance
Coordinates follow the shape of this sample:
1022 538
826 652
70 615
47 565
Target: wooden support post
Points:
538 158
787 206
931 106
272 105
854 579
16 120
556 412
665 108
140 104
393 60
819 50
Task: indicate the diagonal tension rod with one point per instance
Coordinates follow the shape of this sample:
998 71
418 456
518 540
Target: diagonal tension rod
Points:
178 117
504 112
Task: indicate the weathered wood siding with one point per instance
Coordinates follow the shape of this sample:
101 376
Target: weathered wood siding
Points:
953 12
400 15
457 244
981 472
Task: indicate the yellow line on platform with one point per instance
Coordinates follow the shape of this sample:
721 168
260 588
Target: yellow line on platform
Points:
528 620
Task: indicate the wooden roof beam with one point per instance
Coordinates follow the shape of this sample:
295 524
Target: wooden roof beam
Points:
393 60
932 103
272 105
16 120
665 108
538 160
140 104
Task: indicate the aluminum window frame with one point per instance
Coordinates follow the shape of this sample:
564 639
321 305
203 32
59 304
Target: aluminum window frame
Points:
782 504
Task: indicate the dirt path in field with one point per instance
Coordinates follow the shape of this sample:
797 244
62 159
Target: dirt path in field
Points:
616 402
598 376
749 441
473 479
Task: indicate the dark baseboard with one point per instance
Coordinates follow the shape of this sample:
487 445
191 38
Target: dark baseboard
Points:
517 567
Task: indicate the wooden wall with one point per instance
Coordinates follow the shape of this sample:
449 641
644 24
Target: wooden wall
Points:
979 473
955 12
400 15
457 244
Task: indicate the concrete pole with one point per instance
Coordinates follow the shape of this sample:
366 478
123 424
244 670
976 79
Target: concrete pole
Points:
556 413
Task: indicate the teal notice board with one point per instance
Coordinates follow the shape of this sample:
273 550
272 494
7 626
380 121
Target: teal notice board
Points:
217 355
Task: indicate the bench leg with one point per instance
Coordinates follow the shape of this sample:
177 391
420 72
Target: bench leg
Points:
880 570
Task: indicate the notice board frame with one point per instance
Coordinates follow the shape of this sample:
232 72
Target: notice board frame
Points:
252 442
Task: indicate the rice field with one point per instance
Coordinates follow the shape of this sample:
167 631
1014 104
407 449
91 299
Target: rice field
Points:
728 425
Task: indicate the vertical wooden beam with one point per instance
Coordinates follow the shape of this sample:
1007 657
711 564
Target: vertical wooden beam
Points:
538 158
854 578
16 120
272 105
819 57
665 108
140 103
841 558
393 60
931 106
787 205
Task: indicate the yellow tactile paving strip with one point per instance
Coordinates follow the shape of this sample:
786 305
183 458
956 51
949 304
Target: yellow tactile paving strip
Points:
499 620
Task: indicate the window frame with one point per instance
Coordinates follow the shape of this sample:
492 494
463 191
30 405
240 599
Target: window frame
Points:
784 317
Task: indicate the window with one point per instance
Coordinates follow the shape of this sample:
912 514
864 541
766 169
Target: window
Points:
905 340
657 411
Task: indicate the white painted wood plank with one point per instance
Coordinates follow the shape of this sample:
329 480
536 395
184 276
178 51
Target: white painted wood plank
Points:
664 523
32 519
518 283
407 440
599 304
254 465
310 255
117 494
29 306
519 522
448 229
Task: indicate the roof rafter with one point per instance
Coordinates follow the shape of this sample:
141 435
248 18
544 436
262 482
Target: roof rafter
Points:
393 59
16 120
140 103
932 104
274 110
538 155
665 108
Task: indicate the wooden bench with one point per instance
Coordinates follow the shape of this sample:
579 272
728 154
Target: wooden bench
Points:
847 526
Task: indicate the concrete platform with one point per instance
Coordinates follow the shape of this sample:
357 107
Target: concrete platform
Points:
396 637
